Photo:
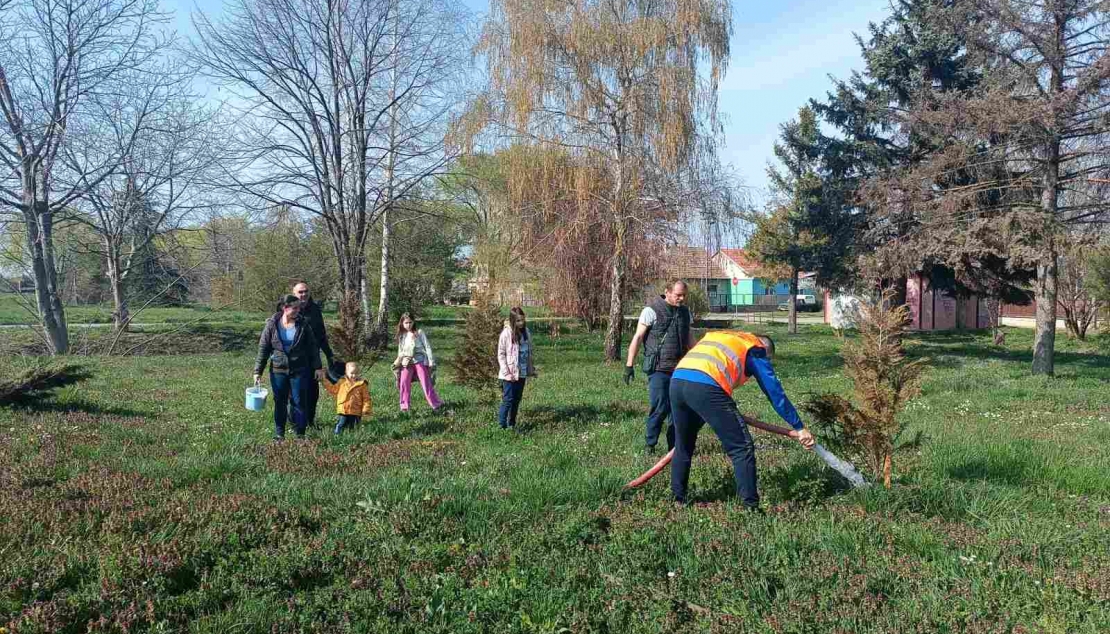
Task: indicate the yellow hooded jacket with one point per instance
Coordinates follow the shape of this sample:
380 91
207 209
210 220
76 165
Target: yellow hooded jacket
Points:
352 398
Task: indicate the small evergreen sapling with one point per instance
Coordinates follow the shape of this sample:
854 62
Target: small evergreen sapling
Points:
884 381
475 363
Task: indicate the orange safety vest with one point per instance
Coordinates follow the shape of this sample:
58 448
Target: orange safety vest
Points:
722 355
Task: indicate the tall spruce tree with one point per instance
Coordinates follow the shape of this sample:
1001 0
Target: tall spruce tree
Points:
912 59
809 227
1021 154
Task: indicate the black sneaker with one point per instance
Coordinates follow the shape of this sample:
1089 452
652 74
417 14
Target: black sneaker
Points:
649 450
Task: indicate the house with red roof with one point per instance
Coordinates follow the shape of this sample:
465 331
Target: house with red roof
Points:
729 277
746 288
698 267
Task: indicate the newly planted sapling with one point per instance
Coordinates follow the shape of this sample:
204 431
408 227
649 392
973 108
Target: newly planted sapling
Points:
884 381
475 363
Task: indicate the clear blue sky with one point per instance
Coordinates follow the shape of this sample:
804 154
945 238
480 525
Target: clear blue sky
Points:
782 54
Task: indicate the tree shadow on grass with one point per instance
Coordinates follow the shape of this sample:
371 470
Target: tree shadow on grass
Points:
575 418
804 482
1008 470
79 405
811 364
937 347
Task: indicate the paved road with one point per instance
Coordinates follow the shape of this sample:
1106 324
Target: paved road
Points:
764 317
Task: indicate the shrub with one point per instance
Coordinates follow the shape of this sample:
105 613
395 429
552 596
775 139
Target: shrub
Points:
345 336
884 381
475 363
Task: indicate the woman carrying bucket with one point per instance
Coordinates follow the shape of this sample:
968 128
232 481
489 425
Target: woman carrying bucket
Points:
294 357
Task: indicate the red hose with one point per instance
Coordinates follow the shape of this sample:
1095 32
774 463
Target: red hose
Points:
665 460
650 473
751 422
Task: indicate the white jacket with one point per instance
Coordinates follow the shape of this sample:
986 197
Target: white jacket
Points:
508 356
417 348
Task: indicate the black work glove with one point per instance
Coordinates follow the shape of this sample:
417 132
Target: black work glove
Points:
629 374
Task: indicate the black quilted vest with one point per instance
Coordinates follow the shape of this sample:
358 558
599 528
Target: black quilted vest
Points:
675 345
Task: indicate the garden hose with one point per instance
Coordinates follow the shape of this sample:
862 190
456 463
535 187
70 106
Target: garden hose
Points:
836 464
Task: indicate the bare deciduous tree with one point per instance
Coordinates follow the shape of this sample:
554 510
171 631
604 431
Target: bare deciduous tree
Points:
169 149
423 89
305 75
1079 304
322 86
62 60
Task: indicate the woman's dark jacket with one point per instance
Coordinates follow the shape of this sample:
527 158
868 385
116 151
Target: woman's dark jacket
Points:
303 353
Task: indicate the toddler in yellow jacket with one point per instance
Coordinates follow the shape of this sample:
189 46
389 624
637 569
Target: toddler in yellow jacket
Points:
352 398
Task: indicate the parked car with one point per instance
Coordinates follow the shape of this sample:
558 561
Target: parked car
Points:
805 303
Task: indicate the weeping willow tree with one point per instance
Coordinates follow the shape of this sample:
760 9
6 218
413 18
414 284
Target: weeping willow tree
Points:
627 87
566 233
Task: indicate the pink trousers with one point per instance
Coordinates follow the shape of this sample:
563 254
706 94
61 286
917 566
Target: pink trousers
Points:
424 375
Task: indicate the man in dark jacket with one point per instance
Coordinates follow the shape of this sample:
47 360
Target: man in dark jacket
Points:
664 331
314 316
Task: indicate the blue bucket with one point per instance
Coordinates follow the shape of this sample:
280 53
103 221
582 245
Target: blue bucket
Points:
256 398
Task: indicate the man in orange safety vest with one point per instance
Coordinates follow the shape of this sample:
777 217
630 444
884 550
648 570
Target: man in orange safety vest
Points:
701 392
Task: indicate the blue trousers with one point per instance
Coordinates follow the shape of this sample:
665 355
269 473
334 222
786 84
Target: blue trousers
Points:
290 399
659 402
693 404
511 393
345 422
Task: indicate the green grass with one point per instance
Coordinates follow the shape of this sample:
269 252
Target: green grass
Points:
149 500
13 313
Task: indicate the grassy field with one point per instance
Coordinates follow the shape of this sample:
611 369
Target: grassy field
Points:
13 313
149 500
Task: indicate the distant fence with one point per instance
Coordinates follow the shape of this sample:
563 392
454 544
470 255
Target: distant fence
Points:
744 303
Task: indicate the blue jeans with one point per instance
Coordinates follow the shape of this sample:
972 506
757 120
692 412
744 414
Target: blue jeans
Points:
345 422
511 393
696 403
659 398
290 389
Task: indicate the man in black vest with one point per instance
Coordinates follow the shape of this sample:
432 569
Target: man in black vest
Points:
314 316
664 330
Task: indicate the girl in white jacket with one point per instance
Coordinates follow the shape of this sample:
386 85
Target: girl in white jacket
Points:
514 360
414 356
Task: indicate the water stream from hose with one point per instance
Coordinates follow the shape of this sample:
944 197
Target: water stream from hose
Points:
843 468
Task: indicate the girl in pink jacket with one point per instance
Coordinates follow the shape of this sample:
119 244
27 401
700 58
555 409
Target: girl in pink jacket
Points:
514 360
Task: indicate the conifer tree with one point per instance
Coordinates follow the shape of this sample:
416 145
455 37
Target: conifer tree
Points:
884 382
475 363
